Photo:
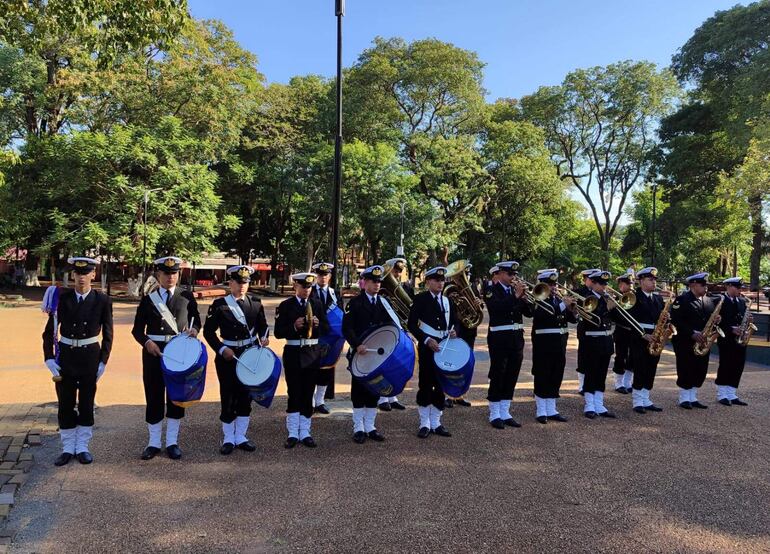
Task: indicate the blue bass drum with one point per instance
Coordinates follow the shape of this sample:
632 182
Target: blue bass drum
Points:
389 364
332 342
184 362
259 369
454 365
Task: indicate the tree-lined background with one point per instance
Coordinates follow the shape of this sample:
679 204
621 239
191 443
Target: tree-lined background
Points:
102 101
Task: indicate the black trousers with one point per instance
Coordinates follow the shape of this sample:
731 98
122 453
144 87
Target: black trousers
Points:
300 384
233 395
645 365
77 389
155 393
598 352
361 396
580 355
506 352
549 357
429 391
732 359
690 369
623 359
325 376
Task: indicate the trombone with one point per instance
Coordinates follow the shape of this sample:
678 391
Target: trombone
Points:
624 302
536 294
585 306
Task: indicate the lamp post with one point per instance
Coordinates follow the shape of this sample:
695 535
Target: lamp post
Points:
652 225
400 247
339 12
144 238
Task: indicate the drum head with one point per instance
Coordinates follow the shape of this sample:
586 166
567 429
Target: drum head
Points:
385 338
453 356
181 353
255 366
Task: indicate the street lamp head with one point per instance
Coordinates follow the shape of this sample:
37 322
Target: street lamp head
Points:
339 7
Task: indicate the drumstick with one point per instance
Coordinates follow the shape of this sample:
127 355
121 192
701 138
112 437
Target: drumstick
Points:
445 341
379 350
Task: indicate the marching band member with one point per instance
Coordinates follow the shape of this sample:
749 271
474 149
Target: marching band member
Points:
598 347
328 297
301 355
732 355
690 312
549 347
388 403
76 359
505 340
624 335
240 320
646 311
364 311
159 317
431 319
468 335
584 291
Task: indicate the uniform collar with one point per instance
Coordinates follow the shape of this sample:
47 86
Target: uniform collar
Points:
78 296
169 291
370 297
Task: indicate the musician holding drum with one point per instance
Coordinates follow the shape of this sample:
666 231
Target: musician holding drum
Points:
398 266
333 341
432 319
163 315
76 359
240 320
301 320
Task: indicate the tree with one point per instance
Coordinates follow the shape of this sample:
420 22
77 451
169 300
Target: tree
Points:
600 125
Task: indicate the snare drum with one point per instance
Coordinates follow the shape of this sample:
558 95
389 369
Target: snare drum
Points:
259 369
184 369
387 368
454 364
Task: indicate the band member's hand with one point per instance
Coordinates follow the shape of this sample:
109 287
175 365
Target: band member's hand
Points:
569 302
265 341
228 354
697 336
192 331
452 334
53 367
647 337
433 345
520 289
737 331
611 304
299 323
100 371
361 349
316 322
152 348
717 319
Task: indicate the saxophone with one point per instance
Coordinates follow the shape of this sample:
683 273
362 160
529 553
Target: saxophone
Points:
711 331
663 330
747 328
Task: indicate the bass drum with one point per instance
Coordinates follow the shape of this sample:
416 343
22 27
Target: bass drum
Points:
183 361
454 366
259 369
389 365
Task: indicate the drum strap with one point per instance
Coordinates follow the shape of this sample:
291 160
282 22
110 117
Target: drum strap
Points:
164 312
237 312
334 299
391 313
445 304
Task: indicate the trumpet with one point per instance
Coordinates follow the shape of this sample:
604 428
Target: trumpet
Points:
585 306
536 294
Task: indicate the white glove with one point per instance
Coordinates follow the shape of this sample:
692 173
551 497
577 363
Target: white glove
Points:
100 371
53 367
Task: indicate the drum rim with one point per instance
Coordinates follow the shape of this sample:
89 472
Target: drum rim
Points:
239 365
459 368
198 360
369 332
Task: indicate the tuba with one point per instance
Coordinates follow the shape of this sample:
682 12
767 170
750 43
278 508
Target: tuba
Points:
459 290
711 331
399 299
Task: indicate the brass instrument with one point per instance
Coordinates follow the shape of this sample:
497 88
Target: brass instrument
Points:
537 294
663 330
585 306
747 328
624 299
399 299
308 319
711 331
458 289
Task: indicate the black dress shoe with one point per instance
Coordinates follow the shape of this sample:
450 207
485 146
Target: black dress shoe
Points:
291 442
541 419
581 393
423 433
463 402
442 431
590 415
359 437
510 422
653 408
640 410
63 459
558 417
385 406
309 442
375 435
725 402
150 452
685 405
246 446
448 403
84 457
226 449
397 406
697 404
322 409
739 402
174 452
621 390
497 423
608 415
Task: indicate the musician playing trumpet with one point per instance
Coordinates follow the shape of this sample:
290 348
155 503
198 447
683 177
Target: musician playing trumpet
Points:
623 366
732 350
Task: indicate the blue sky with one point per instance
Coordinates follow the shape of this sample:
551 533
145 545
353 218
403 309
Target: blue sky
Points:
525 43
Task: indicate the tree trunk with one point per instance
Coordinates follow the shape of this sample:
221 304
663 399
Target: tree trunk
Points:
755 208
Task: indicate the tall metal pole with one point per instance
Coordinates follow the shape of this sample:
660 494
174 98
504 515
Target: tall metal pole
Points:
144 239
339 11
652 226
400 249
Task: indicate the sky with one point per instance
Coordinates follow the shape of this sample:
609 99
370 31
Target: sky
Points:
525 43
